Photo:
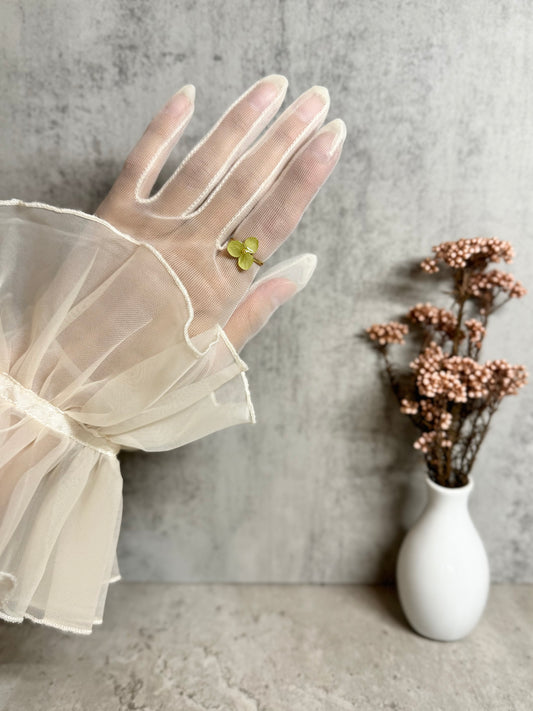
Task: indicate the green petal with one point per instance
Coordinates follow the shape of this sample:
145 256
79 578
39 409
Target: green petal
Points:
245 260
251 244
235 248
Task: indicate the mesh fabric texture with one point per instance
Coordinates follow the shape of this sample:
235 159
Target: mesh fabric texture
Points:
112 336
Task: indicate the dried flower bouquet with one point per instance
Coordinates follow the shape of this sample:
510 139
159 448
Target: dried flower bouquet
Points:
449 395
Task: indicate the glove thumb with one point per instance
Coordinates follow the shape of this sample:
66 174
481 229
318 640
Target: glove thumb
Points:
276 286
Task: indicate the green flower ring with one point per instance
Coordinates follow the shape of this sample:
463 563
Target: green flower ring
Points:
244 252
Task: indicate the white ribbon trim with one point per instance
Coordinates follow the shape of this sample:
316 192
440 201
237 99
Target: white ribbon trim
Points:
51 416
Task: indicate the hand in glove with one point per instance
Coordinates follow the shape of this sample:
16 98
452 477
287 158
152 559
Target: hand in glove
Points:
229 187
123 330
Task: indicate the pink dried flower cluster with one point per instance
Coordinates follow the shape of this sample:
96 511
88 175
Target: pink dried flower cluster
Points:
432 379
476 330
439 319
438 417
474 377
462 252
408 407
387 333
433 414
429 265
506 379
460 378
449 395
428 440
481 283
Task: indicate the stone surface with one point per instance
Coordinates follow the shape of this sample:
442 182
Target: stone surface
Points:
437 101
272 647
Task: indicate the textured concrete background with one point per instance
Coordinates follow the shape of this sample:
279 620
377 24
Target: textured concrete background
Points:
437 101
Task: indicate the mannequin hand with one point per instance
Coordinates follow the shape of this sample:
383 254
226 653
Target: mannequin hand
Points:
230 186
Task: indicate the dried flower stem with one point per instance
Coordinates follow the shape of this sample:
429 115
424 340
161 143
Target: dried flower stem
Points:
462 278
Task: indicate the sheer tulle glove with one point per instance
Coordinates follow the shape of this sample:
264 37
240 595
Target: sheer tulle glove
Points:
229 187
122 330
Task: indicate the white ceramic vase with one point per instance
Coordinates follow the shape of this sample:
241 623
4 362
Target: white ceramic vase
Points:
442 572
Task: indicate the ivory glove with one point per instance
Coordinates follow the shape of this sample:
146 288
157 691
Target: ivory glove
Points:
123 330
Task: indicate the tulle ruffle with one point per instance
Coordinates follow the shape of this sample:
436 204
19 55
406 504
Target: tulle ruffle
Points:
96 355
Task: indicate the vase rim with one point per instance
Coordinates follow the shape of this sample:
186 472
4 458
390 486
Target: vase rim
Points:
450 491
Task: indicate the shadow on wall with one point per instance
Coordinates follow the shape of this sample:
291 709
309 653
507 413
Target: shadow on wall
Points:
135 467
403 467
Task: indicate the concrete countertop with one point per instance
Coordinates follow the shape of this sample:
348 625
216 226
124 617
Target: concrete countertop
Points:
269 648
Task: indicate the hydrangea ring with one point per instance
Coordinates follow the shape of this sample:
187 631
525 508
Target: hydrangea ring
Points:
244 252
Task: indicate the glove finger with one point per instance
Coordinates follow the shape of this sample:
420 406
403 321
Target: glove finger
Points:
144 163
266 296
203 168
256 170
276 216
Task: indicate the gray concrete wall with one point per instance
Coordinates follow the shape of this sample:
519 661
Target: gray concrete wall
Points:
437 98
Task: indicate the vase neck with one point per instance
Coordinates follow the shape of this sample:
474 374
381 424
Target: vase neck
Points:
443 496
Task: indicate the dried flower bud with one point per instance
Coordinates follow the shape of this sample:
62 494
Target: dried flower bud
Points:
518 291
429 440
435 415
476 331
483 285
477 251
456 378
505 379
408 407
387 333
439 319
424 442
429 265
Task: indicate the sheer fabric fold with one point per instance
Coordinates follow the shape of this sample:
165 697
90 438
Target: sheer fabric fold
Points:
95 356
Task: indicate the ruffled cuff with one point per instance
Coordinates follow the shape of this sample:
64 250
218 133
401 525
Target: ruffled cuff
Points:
61 509
95 355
